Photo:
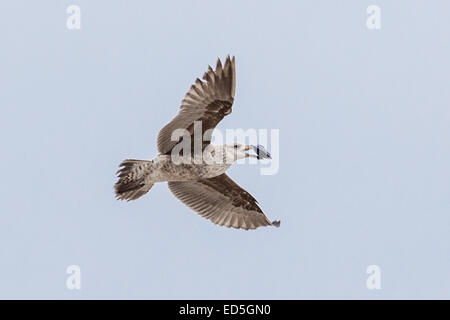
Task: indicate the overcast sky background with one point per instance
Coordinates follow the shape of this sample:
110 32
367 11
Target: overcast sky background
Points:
364 120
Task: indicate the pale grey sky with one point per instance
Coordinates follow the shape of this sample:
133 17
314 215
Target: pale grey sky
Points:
364 120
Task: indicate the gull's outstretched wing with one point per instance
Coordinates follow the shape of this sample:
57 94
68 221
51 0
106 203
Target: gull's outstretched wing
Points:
222 201
208 101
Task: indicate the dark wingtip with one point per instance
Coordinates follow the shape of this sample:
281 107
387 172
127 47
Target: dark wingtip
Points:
276 223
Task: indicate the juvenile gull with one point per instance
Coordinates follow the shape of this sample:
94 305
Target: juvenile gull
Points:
204 187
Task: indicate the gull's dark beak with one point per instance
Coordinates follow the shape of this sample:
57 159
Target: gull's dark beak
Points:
261 152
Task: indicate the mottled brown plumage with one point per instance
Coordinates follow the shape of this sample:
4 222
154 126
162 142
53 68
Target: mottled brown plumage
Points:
222 201
205 188
208 101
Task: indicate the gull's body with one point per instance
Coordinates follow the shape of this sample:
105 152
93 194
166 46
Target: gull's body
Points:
162 168
202 186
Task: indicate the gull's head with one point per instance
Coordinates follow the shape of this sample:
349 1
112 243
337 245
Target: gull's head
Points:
238 151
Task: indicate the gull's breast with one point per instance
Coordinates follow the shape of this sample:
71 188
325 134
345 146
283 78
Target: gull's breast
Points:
166 170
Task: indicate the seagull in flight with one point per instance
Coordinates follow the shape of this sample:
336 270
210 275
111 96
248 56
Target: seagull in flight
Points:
202 186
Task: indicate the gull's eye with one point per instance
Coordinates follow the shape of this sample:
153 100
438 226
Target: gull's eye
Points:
235 146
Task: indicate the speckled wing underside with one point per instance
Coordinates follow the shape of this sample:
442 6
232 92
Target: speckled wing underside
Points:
222 201
208 101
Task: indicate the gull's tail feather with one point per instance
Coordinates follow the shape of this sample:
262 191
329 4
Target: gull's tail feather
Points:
132 182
